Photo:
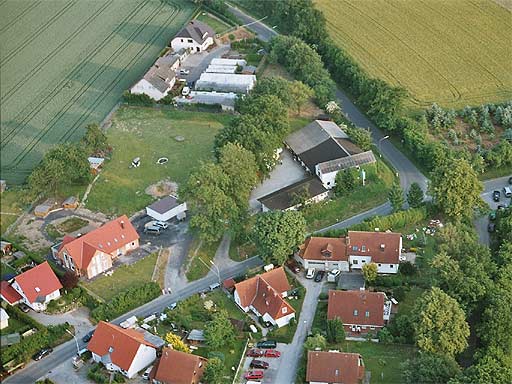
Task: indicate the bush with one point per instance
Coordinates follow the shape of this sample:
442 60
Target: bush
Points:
126 301
400 292
133 99
323 296
407 268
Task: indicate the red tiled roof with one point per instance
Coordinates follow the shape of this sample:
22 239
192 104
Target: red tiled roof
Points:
107 238
67 239
324 248
176 367
342 304
39 281
122 344
373 242
9 293
264 292
334 367
228 283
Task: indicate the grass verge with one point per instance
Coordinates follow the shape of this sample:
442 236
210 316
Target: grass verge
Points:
217 25
200 255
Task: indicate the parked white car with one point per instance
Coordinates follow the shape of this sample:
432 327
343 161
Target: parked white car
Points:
185 91
184 71
310 273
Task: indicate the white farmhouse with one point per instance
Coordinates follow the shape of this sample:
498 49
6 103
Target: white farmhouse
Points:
37 286
121 350
264 295
196 36
167 208
160 78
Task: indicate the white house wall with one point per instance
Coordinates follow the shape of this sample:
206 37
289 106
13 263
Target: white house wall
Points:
35 306
143 358
146 88
167 215
327 265
387 268
285 320
237 301
357 262
187 43
328 179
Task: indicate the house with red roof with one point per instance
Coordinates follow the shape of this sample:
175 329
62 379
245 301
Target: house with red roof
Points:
121 350
334 367
9 294
360 311
176 367
37 287
93 253
264 295
353 251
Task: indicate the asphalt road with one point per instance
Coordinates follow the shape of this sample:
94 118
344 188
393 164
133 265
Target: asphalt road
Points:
64 352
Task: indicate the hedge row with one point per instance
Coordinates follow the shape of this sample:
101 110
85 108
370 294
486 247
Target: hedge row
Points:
126 301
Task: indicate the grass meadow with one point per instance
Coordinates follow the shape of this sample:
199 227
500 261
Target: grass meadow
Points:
150 134
66 63
455 53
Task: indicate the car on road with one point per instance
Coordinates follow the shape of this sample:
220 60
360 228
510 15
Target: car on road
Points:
267 344
496 195
272 353
172 306
253 374
42 353
310 273
214 286
259 364
184 71
491 227
24 308
492 215
507 192
255 352
319 276
88 336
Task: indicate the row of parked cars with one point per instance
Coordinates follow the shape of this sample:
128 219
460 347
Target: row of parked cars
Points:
496 197
319 275
155 227
263 349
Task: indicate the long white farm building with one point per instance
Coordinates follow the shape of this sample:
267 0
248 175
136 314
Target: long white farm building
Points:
223 82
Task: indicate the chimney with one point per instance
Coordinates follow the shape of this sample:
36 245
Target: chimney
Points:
122 223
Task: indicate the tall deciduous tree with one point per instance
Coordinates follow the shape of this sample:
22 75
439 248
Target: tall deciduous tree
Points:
214 209
300 93
94 139
315 342
213 371
455 188
219 331
277 234
277 86
415 196
396 197
335 331
429 368
370 272
440 324
345 181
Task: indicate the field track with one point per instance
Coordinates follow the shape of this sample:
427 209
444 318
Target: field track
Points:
455 52
70 66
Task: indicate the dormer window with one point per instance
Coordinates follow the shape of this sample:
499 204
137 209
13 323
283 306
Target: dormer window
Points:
383 246
367 314
363 248
110 349
284 310
37 289
356 312
108 243
100 246
327 251
355 248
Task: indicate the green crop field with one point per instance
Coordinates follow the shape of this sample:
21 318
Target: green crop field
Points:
65 63
455 53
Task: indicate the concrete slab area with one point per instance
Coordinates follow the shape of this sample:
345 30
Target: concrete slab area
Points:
351 280
285 173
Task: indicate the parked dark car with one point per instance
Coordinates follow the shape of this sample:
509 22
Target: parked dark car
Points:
88 336
259 364
268 344
496 196
42 353
510 180
492 216
319 276
501 207
491 227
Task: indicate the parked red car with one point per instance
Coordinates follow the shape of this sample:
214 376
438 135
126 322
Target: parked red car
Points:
254 352
272 353
249 375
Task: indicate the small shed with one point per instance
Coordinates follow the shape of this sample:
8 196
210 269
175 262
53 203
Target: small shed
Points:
4 319
6 247
196 336
95 163
229 285
70 203
166 209
3 185
10 339
42 210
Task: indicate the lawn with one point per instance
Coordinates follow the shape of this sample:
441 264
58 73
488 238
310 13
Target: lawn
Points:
124 277
379 179
217 24
428 47
11 207
70 225
150 134
66 63
199 257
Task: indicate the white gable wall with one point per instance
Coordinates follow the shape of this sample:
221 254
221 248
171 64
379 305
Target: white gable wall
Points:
188 43
237 301
167 215
35 306
146 88
144 357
